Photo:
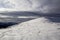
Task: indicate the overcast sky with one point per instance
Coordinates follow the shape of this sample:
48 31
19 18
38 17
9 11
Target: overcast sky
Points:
31 5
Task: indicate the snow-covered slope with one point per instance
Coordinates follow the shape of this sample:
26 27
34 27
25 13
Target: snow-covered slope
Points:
37 29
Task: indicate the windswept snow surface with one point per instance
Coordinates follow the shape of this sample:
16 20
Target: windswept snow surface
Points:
37 29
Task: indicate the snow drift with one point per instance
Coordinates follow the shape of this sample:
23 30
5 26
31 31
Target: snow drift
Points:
37 29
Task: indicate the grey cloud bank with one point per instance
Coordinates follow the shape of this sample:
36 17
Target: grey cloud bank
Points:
44 6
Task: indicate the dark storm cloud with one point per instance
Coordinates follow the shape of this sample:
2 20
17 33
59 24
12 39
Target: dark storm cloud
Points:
52 6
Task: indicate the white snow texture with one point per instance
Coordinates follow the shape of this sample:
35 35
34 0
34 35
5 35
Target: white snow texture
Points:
37 29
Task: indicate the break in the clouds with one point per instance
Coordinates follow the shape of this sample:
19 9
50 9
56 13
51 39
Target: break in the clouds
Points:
44 6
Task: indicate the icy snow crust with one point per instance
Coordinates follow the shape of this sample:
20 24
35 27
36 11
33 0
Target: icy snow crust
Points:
37 29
